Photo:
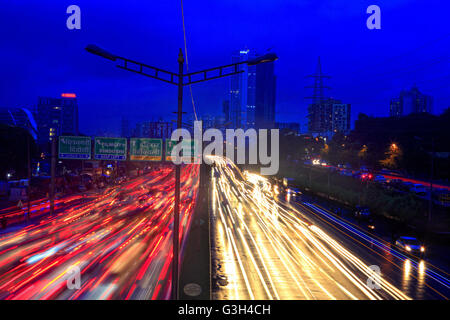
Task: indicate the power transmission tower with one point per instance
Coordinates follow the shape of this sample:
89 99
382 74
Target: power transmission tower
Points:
317 111
318 86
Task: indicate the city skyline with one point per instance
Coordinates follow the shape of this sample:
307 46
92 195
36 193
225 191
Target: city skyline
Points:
366 75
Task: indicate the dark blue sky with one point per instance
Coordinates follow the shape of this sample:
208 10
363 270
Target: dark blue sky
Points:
40 56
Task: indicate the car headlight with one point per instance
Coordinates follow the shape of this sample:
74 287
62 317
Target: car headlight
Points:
408 248
422 249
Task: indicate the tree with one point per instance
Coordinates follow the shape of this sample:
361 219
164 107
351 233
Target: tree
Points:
393 157
14 151
325 151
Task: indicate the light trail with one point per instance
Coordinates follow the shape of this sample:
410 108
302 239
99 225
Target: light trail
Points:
120 239
277 253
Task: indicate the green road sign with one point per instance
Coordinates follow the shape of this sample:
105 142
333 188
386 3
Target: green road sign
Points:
110 149
170 144
71 147
145 149
188 150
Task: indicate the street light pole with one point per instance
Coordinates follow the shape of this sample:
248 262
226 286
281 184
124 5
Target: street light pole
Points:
53 174
29 176
176 218
171 77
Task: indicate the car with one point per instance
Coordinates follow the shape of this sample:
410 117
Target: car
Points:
366 176
410 245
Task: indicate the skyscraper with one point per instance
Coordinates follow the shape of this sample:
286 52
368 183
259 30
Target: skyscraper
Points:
242 91
252 93
265 96
57 116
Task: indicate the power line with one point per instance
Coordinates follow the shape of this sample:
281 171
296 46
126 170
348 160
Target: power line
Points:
187 61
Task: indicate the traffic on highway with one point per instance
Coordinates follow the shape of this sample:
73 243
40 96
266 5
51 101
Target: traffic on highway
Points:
269 244
116 244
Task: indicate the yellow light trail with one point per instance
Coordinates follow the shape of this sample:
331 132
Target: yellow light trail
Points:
272 252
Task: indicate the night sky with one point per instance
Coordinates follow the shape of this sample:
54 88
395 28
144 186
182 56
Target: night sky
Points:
40 56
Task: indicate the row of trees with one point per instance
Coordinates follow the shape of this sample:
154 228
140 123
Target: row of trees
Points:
406 144
14 142
402 207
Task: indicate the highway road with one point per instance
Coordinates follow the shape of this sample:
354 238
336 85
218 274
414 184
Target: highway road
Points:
266 246
119 239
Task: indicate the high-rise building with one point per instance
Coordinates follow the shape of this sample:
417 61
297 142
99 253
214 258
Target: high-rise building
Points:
265 96
19 117
57 116
320 116
125 128
154 129
242 91
252 93
326 116
340 120
396 108
411 101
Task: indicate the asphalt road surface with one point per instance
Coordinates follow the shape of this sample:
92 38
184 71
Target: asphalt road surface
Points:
270 247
